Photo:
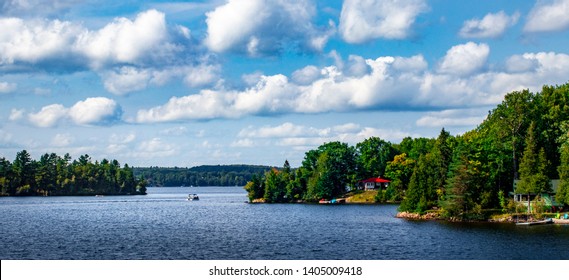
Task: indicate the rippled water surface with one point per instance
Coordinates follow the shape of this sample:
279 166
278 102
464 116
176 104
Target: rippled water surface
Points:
164 225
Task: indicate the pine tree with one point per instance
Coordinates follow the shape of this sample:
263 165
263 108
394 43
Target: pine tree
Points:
533 167
562 195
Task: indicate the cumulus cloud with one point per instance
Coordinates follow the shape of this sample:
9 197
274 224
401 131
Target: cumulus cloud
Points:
465 59
48 116
548 16
454 117
35 40
121 41
129 79
365 20
6 87
95 111
294 135
490 26
126 79
62 140
125 41
154 148
16 114
306 75
91 111
260 27
128 54
390 83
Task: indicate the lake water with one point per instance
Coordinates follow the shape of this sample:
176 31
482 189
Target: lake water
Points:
164 225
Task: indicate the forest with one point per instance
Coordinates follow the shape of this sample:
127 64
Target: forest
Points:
205 175
55 175
524 138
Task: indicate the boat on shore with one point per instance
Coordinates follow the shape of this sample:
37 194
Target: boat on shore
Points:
332 201
193 197
534 223
561 221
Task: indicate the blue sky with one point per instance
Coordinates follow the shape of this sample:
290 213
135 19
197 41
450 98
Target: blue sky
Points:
185 83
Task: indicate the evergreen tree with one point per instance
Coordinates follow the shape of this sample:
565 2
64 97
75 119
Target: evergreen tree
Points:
533 166
562 195
399 171
275 186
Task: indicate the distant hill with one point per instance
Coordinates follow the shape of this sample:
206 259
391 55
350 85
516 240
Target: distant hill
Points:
204 175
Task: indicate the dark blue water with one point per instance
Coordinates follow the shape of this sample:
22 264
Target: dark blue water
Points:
164 225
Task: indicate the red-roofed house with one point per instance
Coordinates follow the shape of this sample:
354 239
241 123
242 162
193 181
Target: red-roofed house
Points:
374 183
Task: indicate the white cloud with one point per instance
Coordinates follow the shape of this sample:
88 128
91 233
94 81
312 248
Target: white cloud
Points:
365 20
449 118
264 27
154 148
465 59
35 40
16 114
126 79
48 116
125 41
390 83
175 131
490 26
548 16
6 87
289 134
243 143
122 138
142 42
129 79
91 111
306 75
95 110
284 130
202 75
62 140
521 63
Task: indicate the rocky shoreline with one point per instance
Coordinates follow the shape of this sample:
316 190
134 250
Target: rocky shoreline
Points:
417 216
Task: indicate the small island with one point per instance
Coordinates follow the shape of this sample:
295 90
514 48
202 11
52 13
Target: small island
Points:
515 164
53 175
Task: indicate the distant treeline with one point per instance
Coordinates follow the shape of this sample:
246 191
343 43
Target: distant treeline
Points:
205 175
56 175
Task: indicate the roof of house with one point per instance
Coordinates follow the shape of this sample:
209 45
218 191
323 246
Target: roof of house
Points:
375 180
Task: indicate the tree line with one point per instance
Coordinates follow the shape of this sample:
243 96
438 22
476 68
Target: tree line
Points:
205 175
524 138
56 175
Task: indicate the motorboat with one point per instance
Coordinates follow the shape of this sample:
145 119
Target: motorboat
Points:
542 222
193 197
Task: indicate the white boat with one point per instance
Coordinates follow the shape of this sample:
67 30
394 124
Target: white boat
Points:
193 197
542 222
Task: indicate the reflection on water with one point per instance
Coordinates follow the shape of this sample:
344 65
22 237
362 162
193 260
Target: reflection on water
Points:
165 225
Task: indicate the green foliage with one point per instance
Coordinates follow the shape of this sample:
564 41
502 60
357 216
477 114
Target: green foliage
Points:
421 193
275 186
464 175
533 167
372 157
255 188
55 175
399 171
415 147
562 195
205 175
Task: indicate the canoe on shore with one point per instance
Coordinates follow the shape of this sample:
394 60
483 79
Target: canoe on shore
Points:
561 221
542 222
